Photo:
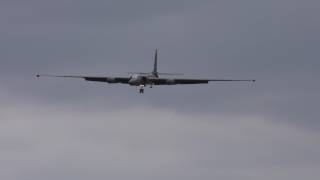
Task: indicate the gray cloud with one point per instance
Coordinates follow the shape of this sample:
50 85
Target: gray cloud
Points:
44 141
275 42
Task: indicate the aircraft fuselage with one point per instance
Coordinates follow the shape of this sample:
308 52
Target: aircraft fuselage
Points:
137 80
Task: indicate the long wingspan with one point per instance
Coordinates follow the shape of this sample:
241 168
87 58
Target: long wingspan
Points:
123 80
163 81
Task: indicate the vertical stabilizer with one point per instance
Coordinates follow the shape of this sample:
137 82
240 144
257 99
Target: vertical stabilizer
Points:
155 66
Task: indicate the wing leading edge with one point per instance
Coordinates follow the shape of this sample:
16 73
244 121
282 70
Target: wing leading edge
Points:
162 81
123 80
154 81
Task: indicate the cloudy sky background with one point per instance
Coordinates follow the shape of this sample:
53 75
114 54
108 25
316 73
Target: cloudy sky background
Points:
72 129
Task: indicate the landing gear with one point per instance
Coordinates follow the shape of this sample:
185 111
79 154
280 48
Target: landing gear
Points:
141 89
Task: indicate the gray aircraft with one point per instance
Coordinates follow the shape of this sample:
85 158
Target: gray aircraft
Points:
142 80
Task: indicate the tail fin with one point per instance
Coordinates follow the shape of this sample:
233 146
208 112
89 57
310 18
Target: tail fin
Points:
155 66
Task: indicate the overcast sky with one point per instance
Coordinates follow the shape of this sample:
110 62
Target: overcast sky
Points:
75 130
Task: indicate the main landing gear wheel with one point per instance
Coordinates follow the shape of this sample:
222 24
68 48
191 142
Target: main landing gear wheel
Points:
141 89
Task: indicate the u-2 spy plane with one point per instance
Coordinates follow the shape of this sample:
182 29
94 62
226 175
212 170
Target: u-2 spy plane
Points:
145 79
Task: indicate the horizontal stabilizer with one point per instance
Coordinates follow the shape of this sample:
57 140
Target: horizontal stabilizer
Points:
142 73
171 74
165 74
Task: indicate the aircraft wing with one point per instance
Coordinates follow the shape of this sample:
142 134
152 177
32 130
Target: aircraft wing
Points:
164 81
123 80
